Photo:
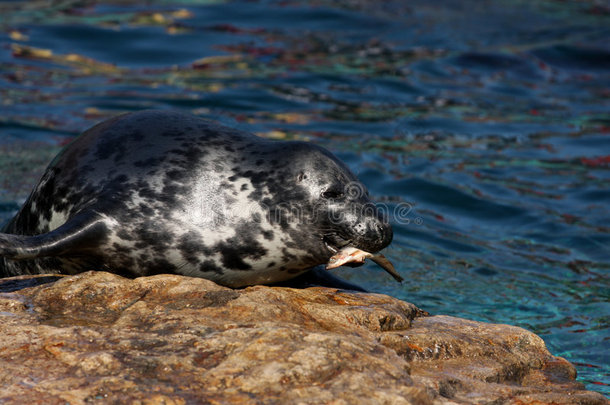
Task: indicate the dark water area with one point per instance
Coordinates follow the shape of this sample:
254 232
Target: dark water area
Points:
484 126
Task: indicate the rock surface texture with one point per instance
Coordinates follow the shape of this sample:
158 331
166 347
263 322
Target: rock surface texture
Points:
100 338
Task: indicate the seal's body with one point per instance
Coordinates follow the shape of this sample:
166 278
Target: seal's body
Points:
162 192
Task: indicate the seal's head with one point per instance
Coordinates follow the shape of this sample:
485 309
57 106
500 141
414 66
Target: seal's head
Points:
322 197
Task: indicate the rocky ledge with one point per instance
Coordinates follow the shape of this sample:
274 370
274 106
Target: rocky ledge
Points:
101 338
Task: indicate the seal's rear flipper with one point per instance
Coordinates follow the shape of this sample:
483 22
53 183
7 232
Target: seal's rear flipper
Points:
85 231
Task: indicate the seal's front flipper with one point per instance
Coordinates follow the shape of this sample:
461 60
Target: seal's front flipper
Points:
79 235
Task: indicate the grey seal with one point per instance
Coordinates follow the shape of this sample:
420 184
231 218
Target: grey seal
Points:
154 192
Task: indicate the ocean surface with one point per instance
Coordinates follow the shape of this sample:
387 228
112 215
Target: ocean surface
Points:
483 126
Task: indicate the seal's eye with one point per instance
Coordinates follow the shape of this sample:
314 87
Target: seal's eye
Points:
332 193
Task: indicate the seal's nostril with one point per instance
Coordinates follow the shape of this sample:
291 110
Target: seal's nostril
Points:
380 228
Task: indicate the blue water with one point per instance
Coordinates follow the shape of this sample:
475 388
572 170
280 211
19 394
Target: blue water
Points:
490 121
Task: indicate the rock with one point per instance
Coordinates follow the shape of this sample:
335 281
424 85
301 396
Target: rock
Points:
100 338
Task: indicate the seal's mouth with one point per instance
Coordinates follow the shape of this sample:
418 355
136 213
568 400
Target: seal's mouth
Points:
334 242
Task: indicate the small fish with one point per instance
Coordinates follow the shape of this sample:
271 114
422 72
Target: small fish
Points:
351 254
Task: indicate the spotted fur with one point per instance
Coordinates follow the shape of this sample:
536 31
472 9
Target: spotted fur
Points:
163 192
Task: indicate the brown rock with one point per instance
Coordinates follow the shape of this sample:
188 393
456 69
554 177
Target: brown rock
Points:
100 338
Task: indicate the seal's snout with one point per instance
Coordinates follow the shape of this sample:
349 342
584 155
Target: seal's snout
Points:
377 232
380 234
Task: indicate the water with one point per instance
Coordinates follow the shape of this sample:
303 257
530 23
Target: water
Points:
489 119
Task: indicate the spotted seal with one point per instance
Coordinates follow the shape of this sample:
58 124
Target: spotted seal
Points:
164 192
